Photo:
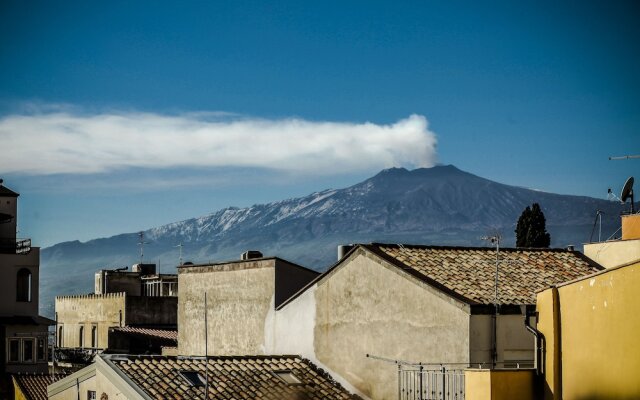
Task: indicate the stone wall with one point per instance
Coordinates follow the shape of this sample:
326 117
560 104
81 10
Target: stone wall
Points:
101 311
239 297
110 310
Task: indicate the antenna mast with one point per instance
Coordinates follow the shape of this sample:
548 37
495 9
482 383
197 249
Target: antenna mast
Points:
141 243
180 246
495 240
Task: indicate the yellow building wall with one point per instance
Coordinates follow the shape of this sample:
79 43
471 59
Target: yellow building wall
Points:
485 384
17 392
477 384
630 226
597 336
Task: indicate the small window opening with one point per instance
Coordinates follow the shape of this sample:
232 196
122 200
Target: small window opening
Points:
23 285
193 377
42 349
287 377
94 336
14 350
28 349
60 332
81 337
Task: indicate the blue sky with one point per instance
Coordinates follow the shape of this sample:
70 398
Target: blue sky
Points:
100 102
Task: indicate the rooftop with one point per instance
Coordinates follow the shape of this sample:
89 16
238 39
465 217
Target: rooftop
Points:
468 273
6 192
245 377
34 386
154 333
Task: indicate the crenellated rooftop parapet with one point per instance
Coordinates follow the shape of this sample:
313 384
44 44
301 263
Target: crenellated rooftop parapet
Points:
91 296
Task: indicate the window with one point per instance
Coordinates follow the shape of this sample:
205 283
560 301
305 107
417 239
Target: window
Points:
94 336
91 395
193 378
42 349
287 377
27 350
23 285
24 350
60 337
14 350
81 337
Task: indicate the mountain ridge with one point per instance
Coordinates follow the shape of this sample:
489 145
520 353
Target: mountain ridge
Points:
438 205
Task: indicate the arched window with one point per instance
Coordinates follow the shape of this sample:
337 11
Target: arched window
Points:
94 336
23 285
60 337
81 337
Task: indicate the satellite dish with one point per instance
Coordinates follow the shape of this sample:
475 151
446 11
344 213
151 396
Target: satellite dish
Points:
627 192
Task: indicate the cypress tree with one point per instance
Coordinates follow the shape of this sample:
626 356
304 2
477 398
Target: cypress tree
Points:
531 230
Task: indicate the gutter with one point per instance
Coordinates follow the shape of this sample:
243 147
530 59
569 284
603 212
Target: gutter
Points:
540 347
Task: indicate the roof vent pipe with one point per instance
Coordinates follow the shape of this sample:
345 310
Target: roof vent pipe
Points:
343 249
570 247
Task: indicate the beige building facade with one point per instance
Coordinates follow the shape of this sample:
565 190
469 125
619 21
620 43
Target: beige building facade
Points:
139 297
367 306
240 295
83 321
23 333
410 303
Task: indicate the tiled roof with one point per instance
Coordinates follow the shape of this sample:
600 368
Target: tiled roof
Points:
468 273
157 333
5 191
34 386
247 377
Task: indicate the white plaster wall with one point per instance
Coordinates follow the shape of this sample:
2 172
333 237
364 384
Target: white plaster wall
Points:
290 329
71 393
613 253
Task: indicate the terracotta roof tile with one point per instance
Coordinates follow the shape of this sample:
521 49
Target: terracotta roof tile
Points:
243 377
157 333
469 272
34 386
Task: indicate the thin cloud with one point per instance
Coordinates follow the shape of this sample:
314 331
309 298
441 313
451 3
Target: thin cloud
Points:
68 142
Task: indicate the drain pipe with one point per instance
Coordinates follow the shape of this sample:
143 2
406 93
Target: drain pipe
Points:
528 313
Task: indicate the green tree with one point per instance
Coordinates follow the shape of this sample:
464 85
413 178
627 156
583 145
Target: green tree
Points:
531 230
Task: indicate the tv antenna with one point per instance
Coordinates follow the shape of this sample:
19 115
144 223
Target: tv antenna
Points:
627 192
141 243
624 157
180 246
495 240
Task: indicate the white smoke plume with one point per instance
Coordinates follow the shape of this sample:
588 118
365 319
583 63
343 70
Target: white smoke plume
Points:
63 141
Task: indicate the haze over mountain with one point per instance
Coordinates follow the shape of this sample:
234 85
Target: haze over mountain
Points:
441 205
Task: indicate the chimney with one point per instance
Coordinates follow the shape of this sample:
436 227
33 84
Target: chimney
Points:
250 255
343 249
